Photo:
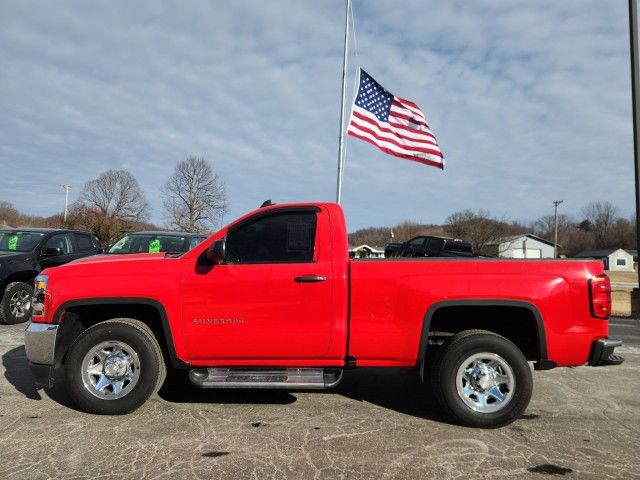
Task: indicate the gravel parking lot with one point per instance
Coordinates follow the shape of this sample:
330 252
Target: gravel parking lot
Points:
582 423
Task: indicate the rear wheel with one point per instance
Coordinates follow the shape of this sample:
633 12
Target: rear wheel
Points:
482 379
114 367
15 306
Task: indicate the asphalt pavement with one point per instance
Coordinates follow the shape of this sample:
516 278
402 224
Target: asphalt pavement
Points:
582 423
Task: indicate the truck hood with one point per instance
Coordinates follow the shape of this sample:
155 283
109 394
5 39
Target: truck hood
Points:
115 258
115 276
131 266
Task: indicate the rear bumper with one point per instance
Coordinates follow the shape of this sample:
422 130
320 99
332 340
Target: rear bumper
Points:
602 353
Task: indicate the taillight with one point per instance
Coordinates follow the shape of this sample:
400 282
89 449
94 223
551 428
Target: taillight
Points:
38 300
600 296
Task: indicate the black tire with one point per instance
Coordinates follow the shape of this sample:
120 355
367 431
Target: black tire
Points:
129 335
467 408
12 313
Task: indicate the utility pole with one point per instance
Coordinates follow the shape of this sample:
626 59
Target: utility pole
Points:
66 200
555 239
635 103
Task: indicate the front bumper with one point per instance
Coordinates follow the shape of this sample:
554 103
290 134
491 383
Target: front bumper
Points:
42 374
602 353
40 344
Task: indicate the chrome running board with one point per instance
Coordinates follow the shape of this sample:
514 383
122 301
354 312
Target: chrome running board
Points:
292 378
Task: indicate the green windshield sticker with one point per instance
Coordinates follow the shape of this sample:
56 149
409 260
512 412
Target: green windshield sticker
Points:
13 242
154 246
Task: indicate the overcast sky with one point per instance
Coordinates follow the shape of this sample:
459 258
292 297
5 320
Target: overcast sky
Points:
530 102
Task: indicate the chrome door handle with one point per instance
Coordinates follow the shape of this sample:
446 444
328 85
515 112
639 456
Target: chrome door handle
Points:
309 279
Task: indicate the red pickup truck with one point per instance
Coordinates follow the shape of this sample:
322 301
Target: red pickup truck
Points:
273 301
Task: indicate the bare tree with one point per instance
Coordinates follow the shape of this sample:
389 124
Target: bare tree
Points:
623 233
601 217
195 197
9 215
110 205
479 228
544 227
381 236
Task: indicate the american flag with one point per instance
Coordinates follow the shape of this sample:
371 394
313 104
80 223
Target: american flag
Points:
394 125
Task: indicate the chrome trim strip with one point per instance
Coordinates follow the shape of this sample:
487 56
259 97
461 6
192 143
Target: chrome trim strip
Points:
291 378
40 342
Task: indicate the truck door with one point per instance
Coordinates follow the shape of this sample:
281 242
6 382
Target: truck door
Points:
271 300
64 243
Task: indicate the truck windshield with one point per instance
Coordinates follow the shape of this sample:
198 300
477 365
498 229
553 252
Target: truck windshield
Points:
17 241
147 243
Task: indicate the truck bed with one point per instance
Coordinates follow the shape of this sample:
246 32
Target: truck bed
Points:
390 299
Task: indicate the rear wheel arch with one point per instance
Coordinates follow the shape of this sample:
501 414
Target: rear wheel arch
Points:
76 316
453 316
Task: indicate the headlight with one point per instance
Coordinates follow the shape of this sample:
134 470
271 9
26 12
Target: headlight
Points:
38 301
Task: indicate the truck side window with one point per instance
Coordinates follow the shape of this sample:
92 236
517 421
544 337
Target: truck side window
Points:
84 242
417 242
61 241
287 237
434 244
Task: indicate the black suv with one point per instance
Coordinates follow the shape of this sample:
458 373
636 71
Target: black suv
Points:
24 252
155 242
426 246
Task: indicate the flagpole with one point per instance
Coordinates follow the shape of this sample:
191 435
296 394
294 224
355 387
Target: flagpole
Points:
344 93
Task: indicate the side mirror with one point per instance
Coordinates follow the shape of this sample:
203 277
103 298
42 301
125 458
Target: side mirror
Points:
53 252
216 252
100 251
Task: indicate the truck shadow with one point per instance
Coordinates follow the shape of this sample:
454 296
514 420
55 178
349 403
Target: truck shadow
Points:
394 389
178 388
17 373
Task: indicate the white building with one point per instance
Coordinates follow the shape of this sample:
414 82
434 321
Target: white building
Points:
365 251
521 246
614 259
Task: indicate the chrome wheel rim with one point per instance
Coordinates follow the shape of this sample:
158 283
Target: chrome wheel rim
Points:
110 370
485 382
20 303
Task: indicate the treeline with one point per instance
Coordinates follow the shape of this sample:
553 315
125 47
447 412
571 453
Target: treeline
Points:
193 200
598 225
380 236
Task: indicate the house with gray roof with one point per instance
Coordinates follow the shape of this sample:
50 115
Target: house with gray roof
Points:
614 259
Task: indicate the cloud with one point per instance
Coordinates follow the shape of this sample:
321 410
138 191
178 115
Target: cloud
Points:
530 102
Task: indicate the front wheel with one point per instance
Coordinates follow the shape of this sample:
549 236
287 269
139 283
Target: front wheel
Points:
482 379
113 367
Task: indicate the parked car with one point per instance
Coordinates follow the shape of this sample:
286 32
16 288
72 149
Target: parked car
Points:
155 242
429 246
273 301
24 252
